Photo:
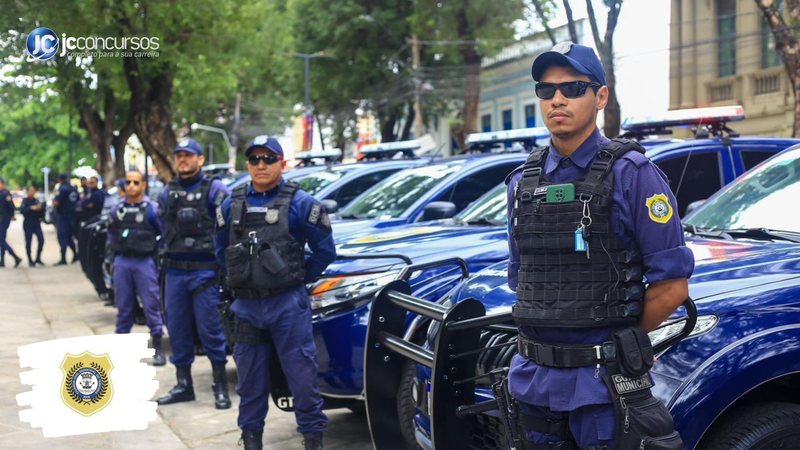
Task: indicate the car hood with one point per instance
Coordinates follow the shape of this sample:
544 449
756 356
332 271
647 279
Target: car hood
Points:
720 267
343 229
478 245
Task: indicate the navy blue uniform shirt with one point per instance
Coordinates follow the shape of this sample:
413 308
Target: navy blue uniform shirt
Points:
6 204
318 236
29 214
67 198
665 256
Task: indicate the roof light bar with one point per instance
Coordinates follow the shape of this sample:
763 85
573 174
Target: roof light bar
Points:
335 153
390 146
716 115
518 135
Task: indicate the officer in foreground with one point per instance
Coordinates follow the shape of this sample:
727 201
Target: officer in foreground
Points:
133 247
597 260
32 212
65 203
6 216
262 232
189 204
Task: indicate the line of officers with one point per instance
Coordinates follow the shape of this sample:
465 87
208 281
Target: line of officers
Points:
242 251
70 207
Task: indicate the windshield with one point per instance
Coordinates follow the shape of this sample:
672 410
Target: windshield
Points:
765 197
315 182
392 196
491 208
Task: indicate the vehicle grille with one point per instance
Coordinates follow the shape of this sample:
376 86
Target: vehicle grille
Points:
488 434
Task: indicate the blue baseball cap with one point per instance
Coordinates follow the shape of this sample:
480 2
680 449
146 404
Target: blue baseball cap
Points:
267 142
189 145
63 176
580 57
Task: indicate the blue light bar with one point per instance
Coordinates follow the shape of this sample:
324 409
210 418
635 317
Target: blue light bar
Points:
390 147
518 135
716 115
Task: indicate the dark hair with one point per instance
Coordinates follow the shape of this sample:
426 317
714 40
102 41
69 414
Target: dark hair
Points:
141 175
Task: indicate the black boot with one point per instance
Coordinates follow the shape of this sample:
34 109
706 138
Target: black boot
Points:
183 391
17 260
251 440
312 441
158 357
220 387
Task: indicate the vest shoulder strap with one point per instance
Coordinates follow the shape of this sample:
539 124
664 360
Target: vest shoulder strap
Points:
610 152
286 193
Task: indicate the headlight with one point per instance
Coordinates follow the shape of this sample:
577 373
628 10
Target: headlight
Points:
333 290
664 332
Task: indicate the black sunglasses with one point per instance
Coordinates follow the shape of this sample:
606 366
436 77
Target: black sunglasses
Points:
136 182
268 159
570 89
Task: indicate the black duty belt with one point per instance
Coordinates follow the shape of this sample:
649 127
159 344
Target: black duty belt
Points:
258 294
566 356
190 265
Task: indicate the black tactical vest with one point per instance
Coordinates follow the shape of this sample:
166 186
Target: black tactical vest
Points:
135 236
559 286
189 226
263 259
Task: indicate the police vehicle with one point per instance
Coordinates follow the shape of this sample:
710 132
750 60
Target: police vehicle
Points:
731 383
438 190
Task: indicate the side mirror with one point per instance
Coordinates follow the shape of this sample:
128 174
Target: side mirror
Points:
694 205
331 206
438 210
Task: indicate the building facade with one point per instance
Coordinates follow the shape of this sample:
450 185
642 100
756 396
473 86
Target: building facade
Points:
507 100
722 53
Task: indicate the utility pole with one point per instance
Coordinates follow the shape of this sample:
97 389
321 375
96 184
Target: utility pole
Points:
419 122
69 144
309 118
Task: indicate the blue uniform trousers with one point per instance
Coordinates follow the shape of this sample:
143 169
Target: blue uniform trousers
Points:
590 425
64 225
137 276
187 309
31 229
288 318
5 221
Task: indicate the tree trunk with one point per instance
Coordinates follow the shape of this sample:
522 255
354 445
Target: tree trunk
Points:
387 121
788 47
119 141
152 115
410 117
605 47
537 5
472 77
611 113
573 32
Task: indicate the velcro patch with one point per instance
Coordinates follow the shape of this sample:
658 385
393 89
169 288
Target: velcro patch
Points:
624 385
220 217
313 216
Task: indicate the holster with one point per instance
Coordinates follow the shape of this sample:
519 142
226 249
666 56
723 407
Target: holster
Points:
271 260
634 351
237 260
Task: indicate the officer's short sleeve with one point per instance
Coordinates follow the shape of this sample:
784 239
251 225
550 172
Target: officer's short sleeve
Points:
318 233
513 250
649 213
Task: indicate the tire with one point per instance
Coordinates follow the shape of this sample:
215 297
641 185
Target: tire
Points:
406 406
763 426
358 408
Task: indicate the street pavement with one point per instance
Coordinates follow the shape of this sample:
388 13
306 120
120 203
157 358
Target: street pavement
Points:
43 303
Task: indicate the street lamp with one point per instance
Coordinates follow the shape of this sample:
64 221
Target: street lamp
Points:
231 148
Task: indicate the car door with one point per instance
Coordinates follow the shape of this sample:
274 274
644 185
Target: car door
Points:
749 154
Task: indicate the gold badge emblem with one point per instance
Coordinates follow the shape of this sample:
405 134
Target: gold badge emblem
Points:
86 388
659 209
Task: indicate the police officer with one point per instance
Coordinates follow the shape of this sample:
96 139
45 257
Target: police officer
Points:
597 259
65 203
133 245
189 205
92 202
6 216
33 213
263 230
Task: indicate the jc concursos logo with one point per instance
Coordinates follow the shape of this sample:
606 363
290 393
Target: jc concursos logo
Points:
42 44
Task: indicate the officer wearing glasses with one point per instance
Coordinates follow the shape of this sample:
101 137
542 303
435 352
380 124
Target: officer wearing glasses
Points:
132 245
597 260
189 205
261 236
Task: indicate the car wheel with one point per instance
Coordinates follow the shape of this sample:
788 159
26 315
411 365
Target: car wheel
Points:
406 406
359 408
761 426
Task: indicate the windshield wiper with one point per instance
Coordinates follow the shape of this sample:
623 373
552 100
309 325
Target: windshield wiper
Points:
707 233
764 234
486 220
350 216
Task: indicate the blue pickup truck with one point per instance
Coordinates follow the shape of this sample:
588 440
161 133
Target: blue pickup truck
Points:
734 382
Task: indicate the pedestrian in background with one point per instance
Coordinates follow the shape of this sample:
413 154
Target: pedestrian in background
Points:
189 205
262 232
65 202
133 247
6 216
33 212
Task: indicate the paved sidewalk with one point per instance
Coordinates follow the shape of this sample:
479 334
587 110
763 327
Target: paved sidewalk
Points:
43 303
